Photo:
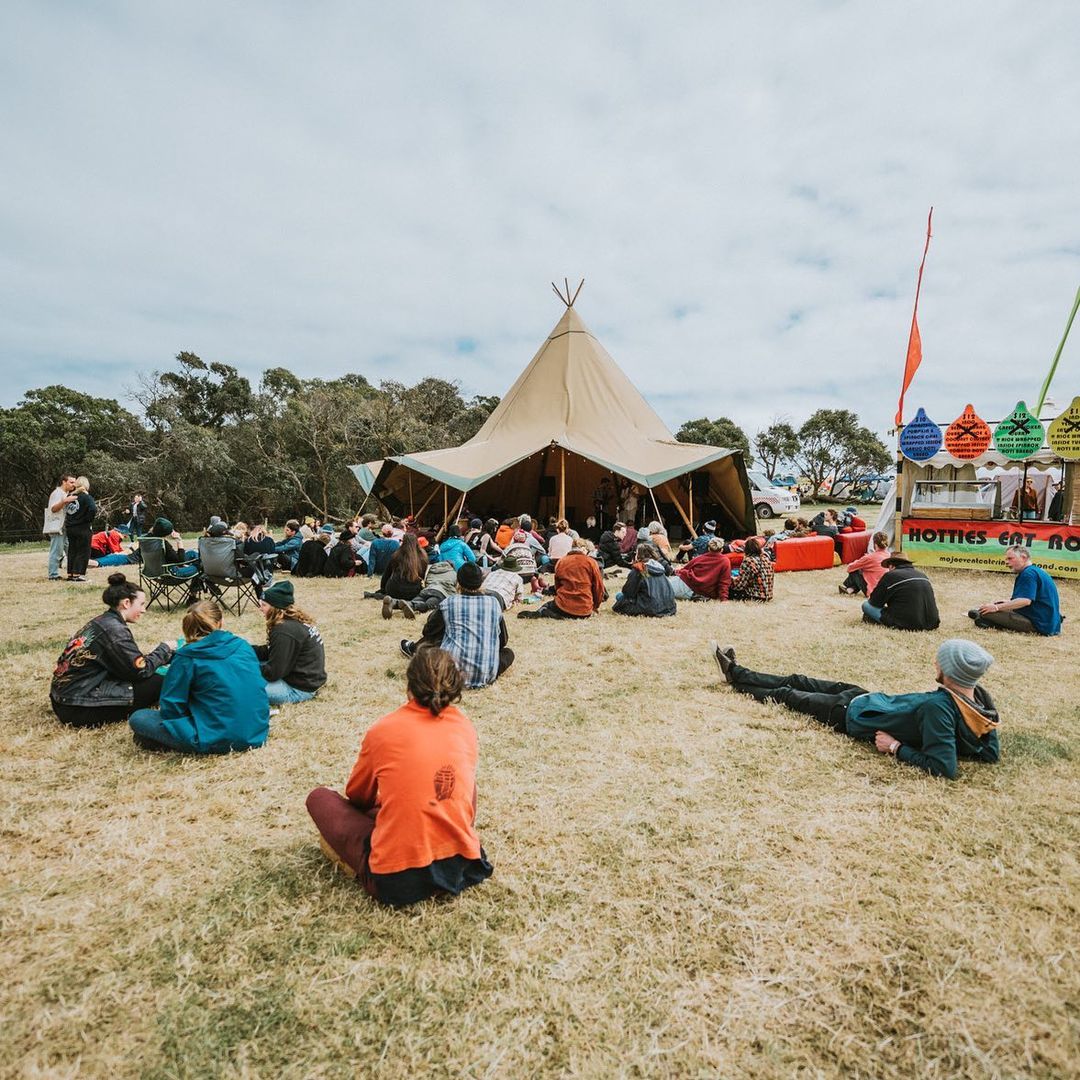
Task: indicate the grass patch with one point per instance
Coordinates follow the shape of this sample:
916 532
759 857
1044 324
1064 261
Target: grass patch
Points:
687 883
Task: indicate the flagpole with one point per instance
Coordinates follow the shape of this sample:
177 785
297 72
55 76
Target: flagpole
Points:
911 364
1057 356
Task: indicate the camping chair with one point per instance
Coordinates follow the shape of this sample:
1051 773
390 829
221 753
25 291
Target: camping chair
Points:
221 568
157 579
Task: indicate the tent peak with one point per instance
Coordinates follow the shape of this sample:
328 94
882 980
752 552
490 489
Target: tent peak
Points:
566 298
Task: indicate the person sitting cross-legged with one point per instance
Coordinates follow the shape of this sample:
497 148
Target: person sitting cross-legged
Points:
439 583
469 625
706 576
755 578
579 587
213 699
647 589
867 570
929 730
293 659
406 825
903 599
505 582
1034 606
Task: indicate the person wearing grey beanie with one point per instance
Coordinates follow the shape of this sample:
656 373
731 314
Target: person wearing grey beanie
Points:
930 730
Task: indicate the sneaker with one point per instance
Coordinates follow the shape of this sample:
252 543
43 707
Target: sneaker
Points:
408 648
406 609
387 607
275 711
973 613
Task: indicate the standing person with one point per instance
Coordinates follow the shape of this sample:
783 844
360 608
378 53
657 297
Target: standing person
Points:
406 826
293 660
866 571
903 599
579 587
137 516
53 526
469 626
213 698
102 675
928 730
1034 607
79 527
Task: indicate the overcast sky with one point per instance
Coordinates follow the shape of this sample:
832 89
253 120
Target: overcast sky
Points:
389 189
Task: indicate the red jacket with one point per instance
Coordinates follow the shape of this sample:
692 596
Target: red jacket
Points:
708 575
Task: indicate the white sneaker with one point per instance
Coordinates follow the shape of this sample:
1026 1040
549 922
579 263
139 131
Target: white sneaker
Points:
274 712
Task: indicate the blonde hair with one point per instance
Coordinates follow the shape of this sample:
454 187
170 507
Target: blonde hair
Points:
201 619
278 615
580 544
82 485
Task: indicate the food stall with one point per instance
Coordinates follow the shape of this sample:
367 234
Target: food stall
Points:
965 494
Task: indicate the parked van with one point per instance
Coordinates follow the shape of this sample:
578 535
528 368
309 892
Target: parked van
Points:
770 500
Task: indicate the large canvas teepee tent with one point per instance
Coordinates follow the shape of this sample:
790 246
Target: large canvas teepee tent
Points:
571 418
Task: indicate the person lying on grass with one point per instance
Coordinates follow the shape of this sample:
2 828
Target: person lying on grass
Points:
102 675
928 730
214 696
406 826
293 659
469 626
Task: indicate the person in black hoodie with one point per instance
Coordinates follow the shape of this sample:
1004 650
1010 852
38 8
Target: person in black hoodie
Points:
903 599
79 527
293 660
609 549
646 590
102 675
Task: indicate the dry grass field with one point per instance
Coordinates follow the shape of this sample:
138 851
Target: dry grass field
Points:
686 883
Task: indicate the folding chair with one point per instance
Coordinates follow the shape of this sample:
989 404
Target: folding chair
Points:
221 570
157 579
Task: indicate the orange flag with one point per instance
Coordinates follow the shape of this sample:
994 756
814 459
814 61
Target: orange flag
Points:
914 345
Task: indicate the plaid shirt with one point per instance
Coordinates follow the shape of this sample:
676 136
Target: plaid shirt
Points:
473 633
755 579
506 585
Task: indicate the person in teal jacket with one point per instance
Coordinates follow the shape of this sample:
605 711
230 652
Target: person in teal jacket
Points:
213 699
928 730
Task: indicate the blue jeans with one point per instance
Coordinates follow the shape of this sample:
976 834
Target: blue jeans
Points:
57 547
281 693
148 724
871 612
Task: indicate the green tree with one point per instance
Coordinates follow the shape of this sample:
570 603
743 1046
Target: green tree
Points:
832 443
774 445
722 432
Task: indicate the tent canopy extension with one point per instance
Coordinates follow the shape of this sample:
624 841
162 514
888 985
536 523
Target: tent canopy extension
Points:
571 418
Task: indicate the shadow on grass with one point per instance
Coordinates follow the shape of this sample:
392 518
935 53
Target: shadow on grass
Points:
1034 749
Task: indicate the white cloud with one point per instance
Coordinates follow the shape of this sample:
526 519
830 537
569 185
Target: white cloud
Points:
343 187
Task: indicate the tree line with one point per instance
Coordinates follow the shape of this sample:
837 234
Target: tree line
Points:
829 444
202 440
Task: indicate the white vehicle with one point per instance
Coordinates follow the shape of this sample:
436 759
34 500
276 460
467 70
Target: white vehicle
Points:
769 500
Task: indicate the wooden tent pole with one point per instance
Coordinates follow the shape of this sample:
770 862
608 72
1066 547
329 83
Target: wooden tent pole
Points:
682 512
434 492
446 513
445 510
659 516
412 511
562 483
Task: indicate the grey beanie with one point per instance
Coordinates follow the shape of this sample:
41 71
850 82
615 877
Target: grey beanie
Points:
963 661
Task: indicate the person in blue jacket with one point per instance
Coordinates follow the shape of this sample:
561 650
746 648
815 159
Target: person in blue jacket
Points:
214 696
928 730
288 550
454 550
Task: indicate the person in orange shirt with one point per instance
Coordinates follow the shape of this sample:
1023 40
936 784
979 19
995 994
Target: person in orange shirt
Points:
406 824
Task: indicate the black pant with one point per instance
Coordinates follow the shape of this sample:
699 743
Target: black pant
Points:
823 700
147 692
550 610
856 581
78 551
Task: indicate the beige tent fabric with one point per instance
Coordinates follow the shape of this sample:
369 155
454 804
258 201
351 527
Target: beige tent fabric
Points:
572 398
